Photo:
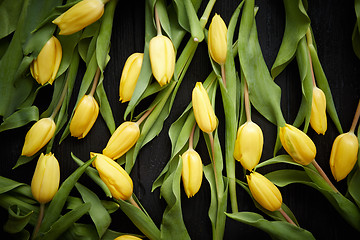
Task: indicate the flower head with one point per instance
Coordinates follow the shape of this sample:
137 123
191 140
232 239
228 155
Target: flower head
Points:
114 176
203 111
192 172
162 59
248 145
264 191
79 16
217 39
129 76
297 144
45 67
124 138
38 136
318 119
343 155
46 179
84 117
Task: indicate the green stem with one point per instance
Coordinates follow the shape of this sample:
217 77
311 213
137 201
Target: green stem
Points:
287 218
157 20
143 117
356 118
223 74
211 138
132 201
191 138
204 18
247 101
95 82
323 175
40 218
61 100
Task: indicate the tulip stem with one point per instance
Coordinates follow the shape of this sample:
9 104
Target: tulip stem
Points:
191 138
95 82
247 101
62 97
145 115
132 201
323 175
39 220
157 20
309 42
287 218
356 118
211 138
223 74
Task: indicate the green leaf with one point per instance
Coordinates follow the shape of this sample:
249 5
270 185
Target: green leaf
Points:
20 118
172 220
58 202
141 220
105 108
16 222
9 15
278 159
297 23
354 187
263 92
98 213
7 184
276 229
64 222
196 29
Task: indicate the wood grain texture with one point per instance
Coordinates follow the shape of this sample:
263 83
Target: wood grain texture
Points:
332 23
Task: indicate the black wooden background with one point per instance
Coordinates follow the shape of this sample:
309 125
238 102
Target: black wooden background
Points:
332 23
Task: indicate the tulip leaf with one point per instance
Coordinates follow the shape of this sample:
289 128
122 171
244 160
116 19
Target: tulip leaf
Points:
278 159
304 64
354 187
24 159
9 16
323 84
297 23
20 118
87 231
276 229
94 175
98 213
172 218
264 94
160 6
105 108
182 15
65 221
68 45
7 184
356 35
196 30
16 222
58 202
140 219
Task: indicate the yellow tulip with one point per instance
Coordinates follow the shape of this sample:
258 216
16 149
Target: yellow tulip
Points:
46 179
203 111
38 136
114 176
343 155
129 76
84 117
264 191
45 67
248 145
217 39
80 16
297 144
124 138
318 119
127 237
192 172
162 59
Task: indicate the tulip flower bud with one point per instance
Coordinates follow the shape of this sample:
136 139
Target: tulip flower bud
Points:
124 138
297 144
318 111
114 176
80 16
127 237
162 59
248 145
192 171
264 191
45 67
203 111
129 76
46 179
84 117
38 136
217 39
343 155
